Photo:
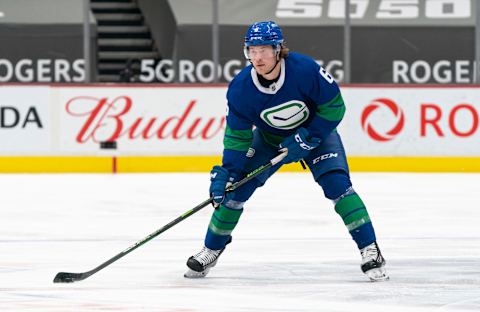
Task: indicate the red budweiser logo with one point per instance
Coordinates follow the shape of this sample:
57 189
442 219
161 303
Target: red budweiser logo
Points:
112 119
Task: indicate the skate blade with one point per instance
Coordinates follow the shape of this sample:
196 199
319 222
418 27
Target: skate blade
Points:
194 274
378 275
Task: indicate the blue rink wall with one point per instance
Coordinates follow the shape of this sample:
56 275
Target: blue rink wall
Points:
179 128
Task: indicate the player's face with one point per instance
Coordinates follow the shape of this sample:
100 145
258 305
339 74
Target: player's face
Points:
263 58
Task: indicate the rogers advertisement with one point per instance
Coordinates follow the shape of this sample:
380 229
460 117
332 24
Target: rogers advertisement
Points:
426 121
180 120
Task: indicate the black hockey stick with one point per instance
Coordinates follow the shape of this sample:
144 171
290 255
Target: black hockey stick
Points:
65 277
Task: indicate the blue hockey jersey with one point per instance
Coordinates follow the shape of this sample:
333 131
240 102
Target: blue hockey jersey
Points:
305 95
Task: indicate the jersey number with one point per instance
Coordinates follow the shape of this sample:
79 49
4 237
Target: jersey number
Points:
326 75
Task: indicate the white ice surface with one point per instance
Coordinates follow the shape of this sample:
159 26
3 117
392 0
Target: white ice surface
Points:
290 252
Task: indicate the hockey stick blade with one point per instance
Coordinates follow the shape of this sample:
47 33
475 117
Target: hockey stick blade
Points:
65 277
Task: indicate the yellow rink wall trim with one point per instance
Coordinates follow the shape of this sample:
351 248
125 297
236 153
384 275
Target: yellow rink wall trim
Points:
55 164
130 164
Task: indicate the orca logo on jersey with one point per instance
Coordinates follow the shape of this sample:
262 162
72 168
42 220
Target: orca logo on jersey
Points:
392 107
287 115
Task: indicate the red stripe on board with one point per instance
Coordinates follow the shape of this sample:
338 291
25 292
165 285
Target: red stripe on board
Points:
114 164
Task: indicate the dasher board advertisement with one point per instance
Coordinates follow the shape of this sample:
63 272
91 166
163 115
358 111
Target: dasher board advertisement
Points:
177 120
427 121
379 121
142 121
25 120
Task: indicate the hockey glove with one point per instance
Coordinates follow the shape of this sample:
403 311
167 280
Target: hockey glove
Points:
298 145
220 178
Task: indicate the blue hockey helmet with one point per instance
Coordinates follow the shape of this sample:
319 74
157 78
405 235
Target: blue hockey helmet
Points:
264 33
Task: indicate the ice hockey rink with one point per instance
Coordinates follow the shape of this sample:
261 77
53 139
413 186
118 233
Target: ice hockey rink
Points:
290 251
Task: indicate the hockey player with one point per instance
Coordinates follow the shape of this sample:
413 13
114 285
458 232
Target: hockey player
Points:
283 100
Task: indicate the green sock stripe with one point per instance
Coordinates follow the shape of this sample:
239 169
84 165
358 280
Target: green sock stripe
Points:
224 220
357 223
225 214
357 215
353 212
219 231
222 225
347 204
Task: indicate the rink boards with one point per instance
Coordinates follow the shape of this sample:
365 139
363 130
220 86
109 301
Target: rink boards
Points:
179 128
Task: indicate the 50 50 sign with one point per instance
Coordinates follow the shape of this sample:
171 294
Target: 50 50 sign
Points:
383 9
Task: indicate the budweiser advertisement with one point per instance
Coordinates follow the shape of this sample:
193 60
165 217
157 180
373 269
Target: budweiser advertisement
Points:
143 121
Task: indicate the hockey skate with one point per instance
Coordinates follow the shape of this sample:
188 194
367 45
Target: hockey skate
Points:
200 264
373 263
